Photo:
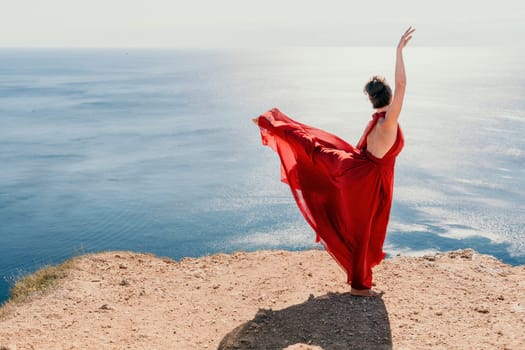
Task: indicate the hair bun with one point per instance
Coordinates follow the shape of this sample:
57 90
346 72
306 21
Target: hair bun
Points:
375 86
378 91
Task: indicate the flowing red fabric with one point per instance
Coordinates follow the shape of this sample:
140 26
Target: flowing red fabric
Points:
343 192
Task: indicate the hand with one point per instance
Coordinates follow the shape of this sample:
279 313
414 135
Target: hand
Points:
405 38
256 120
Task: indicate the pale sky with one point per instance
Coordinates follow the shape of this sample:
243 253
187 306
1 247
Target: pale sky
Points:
261 23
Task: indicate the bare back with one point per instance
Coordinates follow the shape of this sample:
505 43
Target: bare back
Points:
381 139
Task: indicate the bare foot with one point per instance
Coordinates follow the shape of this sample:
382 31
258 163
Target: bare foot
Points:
366 293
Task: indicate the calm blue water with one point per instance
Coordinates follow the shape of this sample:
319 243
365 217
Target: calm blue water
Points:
154 151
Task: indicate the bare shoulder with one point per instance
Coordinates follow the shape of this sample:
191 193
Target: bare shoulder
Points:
385 125
385 132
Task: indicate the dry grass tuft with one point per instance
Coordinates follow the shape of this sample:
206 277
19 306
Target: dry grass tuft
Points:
35 283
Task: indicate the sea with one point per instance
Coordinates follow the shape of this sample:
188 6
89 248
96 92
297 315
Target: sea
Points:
153 150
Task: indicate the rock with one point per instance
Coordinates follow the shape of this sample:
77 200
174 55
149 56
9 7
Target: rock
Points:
466 254
481 309
106 307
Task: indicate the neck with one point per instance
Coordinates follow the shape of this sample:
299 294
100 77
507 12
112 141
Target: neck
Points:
382 109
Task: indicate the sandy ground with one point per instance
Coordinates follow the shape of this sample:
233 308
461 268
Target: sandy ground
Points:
272 300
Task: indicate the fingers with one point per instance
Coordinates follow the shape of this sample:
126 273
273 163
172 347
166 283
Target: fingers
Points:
409 31
405 38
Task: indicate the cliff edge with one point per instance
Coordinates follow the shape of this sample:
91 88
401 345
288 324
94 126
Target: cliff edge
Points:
271 300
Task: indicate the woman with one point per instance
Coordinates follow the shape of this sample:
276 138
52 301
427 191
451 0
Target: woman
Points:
345 192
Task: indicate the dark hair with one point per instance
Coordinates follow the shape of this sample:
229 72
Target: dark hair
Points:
378 91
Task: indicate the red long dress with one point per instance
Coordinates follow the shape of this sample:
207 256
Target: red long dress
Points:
343 192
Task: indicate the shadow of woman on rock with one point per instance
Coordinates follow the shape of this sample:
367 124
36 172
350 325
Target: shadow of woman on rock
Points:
333 321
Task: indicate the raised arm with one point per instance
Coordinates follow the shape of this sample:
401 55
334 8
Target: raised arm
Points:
400 84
